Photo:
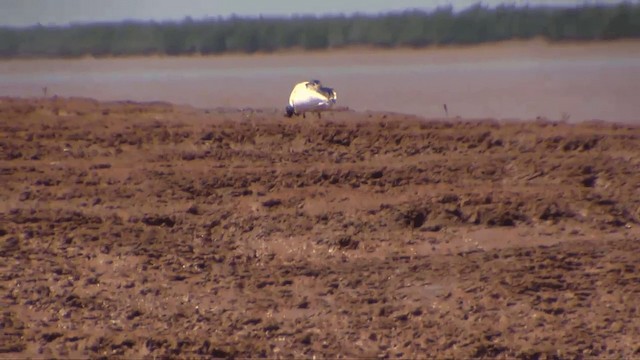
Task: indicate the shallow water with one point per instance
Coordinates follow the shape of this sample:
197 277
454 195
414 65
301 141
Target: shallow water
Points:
523 81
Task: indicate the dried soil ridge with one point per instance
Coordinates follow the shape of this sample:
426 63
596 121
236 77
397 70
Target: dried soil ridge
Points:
144 230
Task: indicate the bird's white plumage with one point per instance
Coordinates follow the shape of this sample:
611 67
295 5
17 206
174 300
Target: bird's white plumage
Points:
310 96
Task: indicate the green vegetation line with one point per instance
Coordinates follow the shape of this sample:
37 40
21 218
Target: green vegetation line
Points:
443 26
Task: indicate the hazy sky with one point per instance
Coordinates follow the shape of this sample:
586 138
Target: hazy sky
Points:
62 12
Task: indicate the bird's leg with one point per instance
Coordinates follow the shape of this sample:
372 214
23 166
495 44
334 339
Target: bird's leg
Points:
304 115
319 115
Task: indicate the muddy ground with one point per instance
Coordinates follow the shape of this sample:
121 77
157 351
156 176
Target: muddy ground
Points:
145 230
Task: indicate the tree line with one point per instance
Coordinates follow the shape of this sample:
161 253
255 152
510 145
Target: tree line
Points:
414 28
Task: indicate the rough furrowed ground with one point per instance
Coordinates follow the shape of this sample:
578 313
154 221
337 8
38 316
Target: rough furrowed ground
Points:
144 230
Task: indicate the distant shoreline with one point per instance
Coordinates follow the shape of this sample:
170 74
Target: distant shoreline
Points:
496 49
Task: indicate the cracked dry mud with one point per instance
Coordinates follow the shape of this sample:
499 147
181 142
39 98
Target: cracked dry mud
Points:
144 230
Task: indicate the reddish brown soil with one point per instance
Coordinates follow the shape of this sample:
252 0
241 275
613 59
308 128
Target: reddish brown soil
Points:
146 230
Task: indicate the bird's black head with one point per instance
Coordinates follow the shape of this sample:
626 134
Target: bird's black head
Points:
289 111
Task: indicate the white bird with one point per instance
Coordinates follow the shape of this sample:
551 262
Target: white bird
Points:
310 96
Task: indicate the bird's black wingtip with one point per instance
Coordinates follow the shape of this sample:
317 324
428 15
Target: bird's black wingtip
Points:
289 111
